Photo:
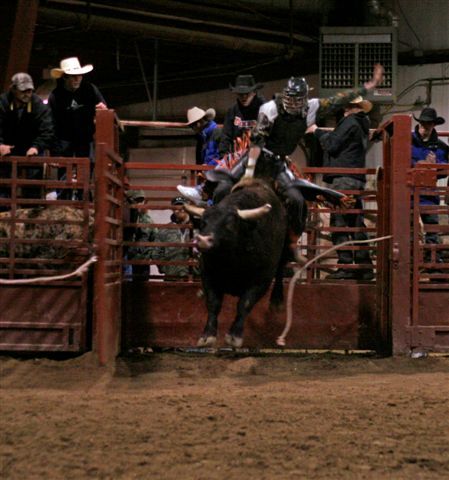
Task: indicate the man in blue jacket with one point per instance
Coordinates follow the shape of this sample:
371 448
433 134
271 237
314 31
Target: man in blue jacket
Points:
428 148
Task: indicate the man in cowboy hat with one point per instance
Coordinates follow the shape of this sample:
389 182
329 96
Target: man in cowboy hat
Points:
73 103
207 133
345 147
26 128
208 137
428 148
242 116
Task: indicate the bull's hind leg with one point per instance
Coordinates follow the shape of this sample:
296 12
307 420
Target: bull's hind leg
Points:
277 292
244 306
214 301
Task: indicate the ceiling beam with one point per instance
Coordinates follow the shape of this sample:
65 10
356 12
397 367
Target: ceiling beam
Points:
16 38
137 29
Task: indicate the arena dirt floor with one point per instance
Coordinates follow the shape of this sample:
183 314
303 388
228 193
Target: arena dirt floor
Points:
227 416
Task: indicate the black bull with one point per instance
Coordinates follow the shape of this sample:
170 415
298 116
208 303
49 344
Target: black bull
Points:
244 245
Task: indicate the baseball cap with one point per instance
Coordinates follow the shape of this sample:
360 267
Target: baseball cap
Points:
22 81
178 201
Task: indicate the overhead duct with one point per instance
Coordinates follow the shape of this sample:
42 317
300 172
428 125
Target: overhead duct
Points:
64 18
386 15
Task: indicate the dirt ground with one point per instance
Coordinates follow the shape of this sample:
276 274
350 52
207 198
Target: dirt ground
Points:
227 416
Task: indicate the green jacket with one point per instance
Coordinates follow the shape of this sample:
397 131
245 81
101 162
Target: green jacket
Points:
173 253
140 234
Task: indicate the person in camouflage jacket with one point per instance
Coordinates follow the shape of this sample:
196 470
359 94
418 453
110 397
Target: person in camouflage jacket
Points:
138 234
175 235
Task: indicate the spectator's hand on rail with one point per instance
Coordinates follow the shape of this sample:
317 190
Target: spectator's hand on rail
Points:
31 152
5 149
312 128
101 106
375 136
378 75
431 157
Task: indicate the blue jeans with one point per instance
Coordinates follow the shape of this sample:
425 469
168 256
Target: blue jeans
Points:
349 220
431 237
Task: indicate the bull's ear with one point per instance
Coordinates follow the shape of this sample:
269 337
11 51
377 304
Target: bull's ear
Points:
194 210
254 213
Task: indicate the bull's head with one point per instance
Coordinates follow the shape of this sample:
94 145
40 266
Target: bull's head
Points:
222 223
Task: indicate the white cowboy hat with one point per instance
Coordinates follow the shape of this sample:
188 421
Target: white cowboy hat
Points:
70 66
194 114
365 105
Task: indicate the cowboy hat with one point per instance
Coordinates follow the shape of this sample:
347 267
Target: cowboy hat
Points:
195 114
245 84
70 66
429 114
360 102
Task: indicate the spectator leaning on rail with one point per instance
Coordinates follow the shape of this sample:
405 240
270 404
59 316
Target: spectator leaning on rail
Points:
428 148
73 104
345 147
174 235
26 128
138 234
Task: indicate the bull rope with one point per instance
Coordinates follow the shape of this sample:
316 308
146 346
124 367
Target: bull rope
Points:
78 272
281 339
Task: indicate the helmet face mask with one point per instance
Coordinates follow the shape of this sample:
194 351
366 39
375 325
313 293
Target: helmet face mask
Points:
295 95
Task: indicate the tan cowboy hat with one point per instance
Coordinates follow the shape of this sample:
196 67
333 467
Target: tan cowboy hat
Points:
365 105
70 66
195 114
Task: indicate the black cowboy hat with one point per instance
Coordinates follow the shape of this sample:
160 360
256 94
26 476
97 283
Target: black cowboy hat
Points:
429 115
245 84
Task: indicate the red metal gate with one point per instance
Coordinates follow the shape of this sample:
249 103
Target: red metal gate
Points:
38 310
406 308
169 312
416 303
108 239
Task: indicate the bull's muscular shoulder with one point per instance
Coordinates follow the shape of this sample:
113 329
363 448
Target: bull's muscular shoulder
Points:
251 190
252 183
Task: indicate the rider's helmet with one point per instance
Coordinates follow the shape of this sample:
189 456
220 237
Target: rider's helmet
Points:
295 95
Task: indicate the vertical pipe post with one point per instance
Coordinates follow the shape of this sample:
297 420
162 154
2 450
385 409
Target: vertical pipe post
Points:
401 295
155 77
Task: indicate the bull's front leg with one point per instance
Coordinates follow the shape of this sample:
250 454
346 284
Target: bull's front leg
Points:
244 306
214 301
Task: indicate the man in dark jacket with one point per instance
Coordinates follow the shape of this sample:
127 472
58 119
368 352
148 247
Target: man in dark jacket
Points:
345 147
428 148
241 118
26 128
73 103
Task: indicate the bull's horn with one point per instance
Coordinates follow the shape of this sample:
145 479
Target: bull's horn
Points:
253 213
194 210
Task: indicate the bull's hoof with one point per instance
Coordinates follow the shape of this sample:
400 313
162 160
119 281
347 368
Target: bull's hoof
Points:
233 341
206 341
